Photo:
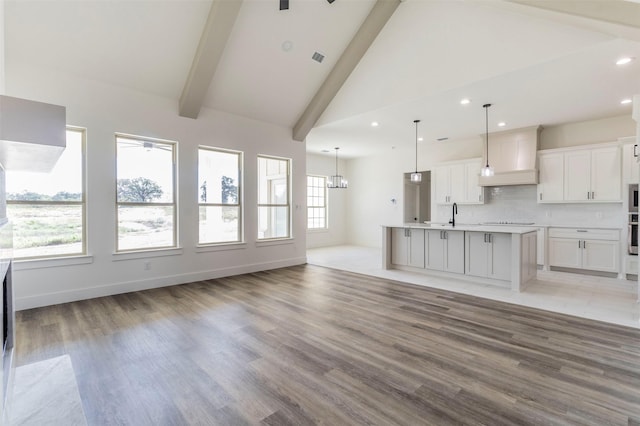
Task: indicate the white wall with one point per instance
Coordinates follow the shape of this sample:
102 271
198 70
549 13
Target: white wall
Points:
378 179
337 203
587 132
104 110
2 71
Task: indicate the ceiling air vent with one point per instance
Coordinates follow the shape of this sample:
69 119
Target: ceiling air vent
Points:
318 57
442 139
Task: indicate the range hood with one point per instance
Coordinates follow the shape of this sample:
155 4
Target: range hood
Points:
513 156
32 134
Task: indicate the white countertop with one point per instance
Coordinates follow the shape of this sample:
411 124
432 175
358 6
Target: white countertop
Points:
505 229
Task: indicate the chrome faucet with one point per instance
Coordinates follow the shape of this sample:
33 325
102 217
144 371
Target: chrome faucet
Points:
454 212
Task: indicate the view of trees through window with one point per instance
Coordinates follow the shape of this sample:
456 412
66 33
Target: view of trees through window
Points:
219 200
145 193
47 209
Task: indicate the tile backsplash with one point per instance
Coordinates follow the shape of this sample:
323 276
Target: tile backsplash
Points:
518 204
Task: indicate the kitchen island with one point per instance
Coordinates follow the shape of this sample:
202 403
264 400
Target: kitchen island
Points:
497 255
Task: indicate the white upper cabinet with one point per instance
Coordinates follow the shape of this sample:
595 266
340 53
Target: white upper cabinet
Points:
474 193
458 183
631 170
577 181
551 183
582 175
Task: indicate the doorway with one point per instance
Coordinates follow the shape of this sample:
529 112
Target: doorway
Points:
417 199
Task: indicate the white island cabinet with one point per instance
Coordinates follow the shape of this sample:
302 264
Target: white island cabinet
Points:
499 255
488 255
407 247
443 249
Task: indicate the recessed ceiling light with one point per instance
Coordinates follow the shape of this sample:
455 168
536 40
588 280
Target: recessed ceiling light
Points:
287 45
465 101
374 124
502 124
420 139
624 61
626 101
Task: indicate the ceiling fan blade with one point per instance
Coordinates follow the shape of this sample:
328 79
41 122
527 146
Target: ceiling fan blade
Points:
284 4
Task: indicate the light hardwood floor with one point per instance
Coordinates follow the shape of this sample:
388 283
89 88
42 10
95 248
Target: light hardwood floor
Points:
311 345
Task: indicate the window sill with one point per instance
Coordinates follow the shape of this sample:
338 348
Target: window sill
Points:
24 265
220 247
145 254
318 231
274 242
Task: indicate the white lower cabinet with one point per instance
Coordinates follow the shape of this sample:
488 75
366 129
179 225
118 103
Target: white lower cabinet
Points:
591 249
444 250
407 247
488 255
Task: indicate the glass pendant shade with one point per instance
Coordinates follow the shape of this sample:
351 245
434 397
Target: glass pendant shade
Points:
416 177
487 171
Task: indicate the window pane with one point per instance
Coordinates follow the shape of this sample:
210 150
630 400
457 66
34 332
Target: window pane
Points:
143 227
219 224
273 222
316 202
273 181
46 230
63 183
218 177
145 171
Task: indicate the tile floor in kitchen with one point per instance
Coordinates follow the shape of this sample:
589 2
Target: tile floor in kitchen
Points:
606 299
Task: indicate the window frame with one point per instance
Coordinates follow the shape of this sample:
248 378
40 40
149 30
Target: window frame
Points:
288 197
82 203
239 204
174 204
325 204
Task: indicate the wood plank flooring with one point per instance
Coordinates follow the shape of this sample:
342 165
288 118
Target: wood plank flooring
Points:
309 345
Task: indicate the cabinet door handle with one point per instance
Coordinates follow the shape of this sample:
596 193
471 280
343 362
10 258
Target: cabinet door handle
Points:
579 244
541 196
588 195
445 234
593 195
584 245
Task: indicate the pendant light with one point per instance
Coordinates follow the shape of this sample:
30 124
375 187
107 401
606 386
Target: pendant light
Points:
337 181
487 170
415 176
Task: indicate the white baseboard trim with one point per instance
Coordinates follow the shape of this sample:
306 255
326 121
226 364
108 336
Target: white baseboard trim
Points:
56 298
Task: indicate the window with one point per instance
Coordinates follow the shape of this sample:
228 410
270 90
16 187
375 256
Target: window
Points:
273 198
48 209
219 195
146 193
316 202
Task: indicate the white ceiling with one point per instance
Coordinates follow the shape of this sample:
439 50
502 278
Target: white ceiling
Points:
533 67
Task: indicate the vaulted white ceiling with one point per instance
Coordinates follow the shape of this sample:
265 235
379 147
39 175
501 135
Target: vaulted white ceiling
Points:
535 66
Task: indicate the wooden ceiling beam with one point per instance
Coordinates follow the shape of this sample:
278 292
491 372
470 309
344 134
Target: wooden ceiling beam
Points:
222 17
369 30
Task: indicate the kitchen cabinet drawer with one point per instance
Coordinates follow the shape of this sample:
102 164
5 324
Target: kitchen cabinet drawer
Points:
585 233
